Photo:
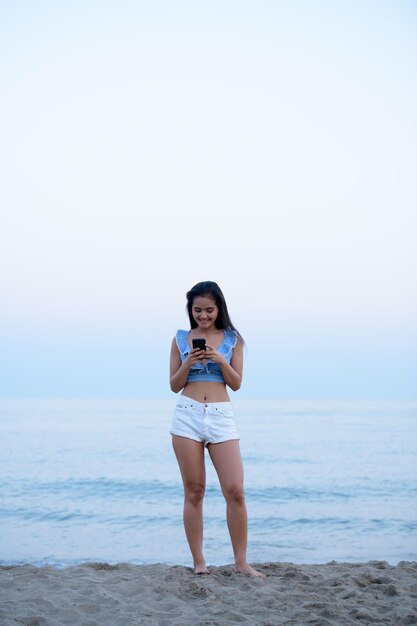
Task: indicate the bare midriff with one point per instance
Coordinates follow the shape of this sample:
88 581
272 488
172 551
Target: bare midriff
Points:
206 392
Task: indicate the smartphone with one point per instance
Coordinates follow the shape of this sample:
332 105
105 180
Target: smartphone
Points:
199 343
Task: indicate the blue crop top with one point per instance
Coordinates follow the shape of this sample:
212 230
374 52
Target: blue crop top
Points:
211 372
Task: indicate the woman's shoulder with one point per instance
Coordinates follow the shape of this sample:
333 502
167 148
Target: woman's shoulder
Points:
181 338
230 335
230 340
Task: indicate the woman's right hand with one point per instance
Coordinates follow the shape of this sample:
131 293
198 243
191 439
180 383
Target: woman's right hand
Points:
195 356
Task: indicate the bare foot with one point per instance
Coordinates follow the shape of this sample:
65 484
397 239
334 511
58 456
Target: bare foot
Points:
250 571
200 568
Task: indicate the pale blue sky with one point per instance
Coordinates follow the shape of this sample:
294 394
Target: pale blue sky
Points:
269 146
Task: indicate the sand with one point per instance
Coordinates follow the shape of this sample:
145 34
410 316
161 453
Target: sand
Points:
98 594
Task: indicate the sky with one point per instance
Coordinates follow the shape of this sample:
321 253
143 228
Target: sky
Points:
270 146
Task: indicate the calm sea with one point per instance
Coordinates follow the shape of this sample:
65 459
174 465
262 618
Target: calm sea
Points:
97 480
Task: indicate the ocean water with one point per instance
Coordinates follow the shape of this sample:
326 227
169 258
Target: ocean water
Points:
97 480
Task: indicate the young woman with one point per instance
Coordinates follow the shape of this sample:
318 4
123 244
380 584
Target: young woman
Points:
204 417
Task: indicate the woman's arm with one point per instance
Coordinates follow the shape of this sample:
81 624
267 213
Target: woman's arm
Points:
232 372
178 372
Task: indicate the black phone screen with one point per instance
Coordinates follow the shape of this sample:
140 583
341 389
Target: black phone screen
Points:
199 343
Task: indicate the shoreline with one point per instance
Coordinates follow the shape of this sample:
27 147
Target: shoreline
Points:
101 594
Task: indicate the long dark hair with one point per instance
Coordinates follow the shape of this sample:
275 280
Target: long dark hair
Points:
210 289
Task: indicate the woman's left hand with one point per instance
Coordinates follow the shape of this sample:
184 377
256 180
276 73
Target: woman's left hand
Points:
213 355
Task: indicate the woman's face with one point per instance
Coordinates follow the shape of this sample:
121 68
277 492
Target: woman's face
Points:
204 311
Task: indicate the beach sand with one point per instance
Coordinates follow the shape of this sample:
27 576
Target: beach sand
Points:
99 594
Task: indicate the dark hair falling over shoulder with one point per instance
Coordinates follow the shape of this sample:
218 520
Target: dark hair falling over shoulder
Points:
211 289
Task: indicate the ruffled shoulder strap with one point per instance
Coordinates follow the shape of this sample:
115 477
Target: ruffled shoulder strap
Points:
182 343
230 341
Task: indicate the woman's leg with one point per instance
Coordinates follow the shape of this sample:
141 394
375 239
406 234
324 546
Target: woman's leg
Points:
190 457
228 464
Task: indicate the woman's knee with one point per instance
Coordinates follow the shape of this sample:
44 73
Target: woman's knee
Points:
194 492
234 493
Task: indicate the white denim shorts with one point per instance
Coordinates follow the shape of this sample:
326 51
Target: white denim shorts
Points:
208 422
